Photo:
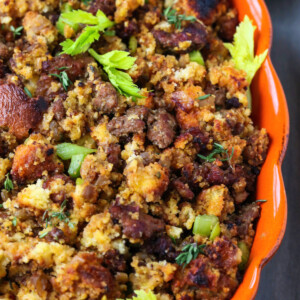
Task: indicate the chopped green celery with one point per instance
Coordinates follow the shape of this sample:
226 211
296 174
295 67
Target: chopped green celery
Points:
79 181
197 57
245 255
75 165
204 224
133 44
60 24
67 150
215 231
249 98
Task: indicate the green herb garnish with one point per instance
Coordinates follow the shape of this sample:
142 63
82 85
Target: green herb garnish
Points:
204 97
42 235
15 221
8 184
114 60
218 149
176 19
189 252
61 215
173 240
261 201
26 90
86 2
16 31
64 79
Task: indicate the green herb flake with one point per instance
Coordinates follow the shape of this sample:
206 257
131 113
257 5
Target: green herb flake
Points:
42 235
64 79
8 184
189 252
158 175
15 221
261 201
176 19
61 215
173 240
16 31
204 97
218 149
86 2
26 90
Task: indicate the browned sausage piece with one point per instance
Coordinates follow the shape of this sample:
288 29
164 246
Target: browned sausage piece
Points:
107 6
161 131
145 226
195 34
132 122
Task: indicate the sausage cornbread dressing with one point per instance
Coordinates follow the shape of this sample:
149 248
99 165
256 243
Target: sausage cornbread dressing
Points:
128 155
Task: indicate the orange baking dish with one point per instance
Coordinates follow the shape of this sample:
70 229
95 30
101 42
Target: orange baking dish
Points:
269 111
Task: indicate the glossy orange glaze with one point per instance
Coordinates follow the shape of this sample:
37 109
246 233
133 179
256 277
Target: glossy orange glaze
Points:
269 111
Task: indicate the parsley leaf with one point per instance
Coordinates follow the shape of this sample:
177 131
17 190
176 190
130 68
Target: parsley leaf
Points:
8 184
218 149
120 80
242 49
176 19
16 31
189 252
64 79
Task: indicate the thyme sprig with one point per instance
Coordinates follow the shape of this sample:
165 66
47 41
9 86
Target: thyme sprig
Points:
16 31
174 18
8 184
189 252
218 149
63 78
61 215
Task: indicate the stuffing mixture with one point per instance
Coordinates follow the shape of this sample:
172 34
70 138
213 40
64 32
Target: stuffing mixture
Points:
128 157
